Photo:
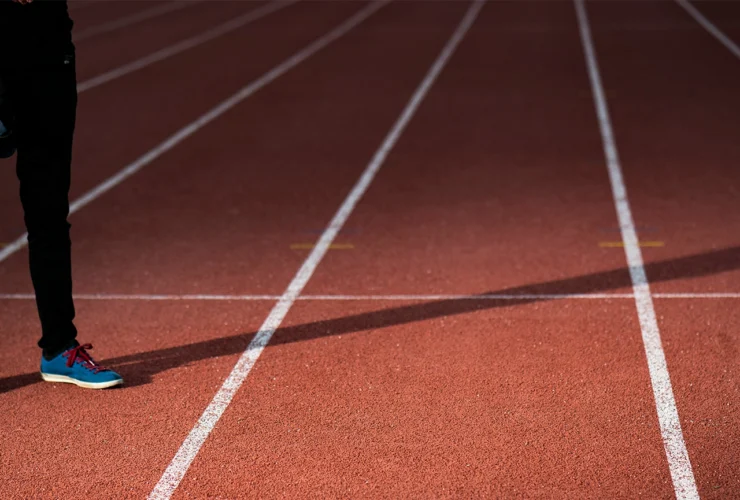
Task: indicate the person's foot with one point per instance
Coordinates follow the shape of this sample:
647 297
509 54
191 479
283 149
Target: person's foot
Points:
75 366
7 142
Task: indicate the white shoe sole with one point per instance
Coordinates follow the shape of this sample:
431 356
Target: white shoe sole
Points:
87 385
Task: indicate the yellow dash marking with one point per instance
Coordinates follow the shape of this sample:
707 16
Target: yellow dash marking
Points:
619 244
311 246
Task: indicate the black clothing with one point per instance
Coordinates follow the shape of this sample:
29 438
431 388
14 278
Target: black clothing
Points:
37 69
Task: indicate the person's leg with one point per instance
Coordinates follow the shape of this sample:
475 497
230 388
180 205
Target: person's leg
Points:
3 106
7 142
42 90
7 146
40 83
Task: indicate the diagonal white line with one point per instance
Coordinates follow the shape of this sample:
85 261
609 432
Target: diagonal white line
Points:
183 133
183 45
192 444
13 247
205 119
679 464
710 27
132 19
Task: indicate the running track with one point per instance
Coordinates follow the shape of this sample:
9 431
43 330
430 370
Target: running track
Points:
412 204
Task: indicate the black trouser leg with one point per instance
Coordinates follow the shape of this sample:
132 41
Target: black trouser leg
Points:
44 101
4 107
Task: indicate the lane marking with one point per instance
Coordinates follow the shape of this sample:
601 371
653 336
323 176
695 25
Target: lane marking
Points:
203 120
389 298
150 297
311 246
134 18
619 244
684 484
183 45
710 27
192 444
711 295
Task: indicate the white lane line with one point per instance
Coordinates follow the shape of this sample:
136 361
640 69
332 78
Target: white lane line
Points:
710 27
714 295
528 296
205 119
236 297
132 19
183 45
488 296
390 298
149 297
192 444
387 298
13 247
679 464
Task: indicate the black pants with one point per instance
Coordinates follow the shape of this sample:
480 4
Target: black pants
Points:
37 69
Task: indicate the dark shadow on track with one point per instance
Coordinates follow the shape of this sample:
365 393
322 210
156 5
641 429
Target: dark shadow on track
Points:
138 369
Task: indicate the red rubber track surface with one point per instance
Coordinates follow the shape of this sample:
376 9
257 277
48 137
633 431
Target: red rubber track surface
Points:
103 12
462 398
676 126
498 185
364 399
108 51
154 102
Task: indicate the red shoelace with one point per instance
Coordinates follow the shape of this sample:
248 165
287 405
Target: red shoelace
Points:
80 353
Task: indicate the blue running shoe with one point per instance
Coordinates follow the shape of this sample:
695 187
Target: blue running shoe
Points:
75 366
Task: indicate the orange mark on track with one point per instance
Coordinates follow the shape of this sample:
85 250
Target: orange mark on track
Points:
620 244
